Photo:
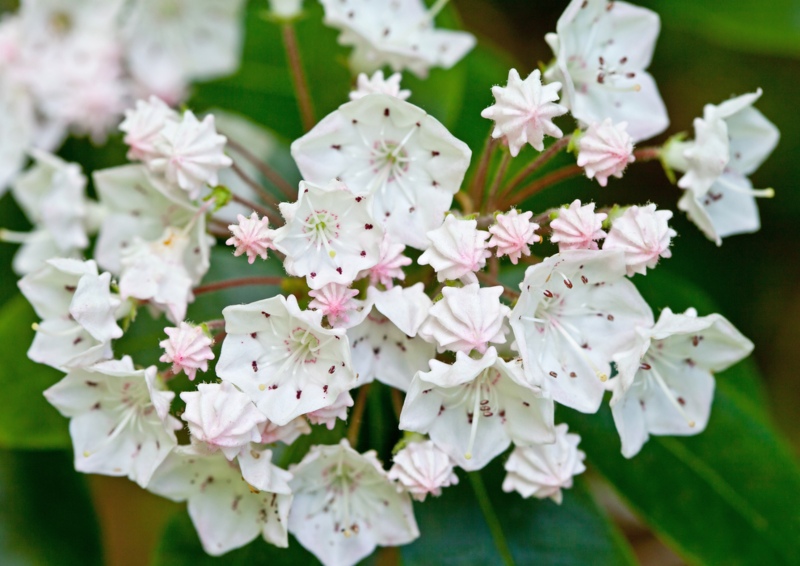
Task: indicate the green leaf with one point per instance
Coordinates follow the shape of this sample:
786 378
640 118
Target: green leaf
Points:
726 496
454 531
27 420
46 516
771 28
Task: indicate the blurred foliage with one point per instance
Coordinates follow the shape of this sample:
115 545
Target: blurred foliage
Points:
729 495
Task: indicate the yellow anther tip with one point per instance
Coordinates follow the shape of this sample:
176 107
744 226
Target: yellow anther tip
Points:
468 456
262 387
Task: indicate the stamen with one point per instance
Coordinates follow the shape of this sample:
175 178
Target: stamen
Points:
475 412
668 393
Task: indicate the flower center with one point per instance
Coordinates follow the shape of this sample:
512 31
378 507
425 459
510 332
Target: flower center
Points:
390 159
484 403
61 23
302 346
322 228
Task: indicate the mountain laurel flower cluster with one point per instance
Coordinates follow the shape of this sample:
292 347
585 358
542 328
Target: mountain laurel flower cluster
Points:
388 295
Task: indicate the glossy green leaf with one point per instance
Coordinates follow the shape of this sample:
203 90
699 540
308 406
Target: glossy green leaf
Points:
745 25
454 531
46 516
27 420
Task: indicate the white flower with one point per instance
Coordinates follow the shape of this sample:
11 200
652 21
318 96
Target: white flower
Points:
643 234
665 383
385 345
190 153
475 408
742 138
576 311
138 205
513 233
172 42
389 266
335 301
328 415
345 505
457 250
524 110
16 127
467 318
223 417
143 126
227 512
79 313
382 146
577 227
286 9
604 150
399 34
120 422
602 49
155 272
187 348
330 235
543 470
283 358
251 236
378 85
423 469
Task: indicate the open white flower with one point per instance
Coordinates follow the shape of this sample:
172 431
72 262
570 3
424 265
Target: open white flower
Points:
16 128
665 383
467 318
423 469
576 311
227 512
643 234
475 408
602 49
395 33
524 110
345 505
376 84
330 235
457 249
189 153
543 470
394 151
120 422
283 358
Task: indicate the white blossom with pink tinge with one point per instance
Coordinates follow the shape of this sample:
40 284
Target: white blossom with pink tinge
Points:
327 415
223 417
251 236
143 126
605 150
288 433
376 84
643 234
335 301
467 318
390 265
457 250
543 470
524 110
188 349
422 469
577 227
190 153
512 233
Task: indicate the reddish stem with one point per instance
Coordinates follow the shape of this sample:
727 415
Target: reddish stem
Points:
489 280
357 416
269 173
647 153
273 218
298 77
253 184
242 282
543 158
542 183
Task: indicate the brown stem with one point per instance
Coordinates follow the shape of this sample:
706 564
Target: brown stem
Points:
543 158
298 77
215 324
269 173
241 282
479 179
542 183
220 337
357 416
647 153
273 218
265 195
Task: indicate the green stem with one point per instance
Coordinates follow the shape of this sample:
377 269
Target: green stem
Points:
491 517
